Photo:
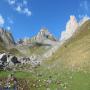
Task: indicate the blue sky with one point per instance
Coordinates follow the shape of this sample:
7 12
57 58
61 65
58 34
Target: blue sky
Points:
26 17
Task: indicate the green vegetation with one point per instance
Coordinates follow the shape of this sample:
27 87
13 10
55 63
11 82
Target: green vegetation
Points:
2 48
35 49
14 51
75 53
38 50
65 80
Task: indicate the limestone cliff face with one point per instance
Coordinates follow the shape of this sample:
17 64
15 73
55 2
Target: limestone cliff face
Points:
44 34
71 27
6 37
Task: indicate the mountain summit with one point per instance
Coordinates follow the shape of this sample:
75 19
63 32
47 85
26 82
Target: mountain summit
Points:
42 37
71 27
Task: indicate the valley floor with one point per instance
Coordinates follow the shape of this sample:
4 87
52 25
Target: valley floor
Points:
49 80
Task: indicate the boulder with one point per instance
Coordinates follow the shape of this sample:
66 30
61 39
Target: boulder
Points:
3 58
14 59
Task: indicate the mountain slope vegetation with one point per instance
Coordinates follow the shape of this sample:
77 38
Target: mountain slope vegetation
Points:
75 52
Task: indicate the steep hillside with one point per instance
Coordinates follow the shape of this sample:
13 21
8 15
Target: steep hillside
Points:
7 42
70 65
2 45
6 38
75 52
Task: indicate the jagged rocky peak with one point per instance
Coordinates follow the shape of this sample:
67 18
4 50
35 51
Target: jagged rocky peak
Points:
71 26
6 37
43 35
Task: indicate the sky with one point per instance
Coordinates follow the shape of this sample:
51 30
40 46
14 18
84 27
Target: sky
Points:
25 18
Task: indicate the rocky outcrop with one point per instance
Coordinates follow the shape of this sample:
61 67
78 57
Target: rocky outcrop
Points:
43 37
71 27
6 37
8 60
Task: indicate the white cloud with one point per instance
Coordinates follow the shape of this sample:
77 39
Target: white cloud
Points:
23 11
25 2
83 9
2 21
11 2
20 7
10 21
8 28
27 11
80 16
84 5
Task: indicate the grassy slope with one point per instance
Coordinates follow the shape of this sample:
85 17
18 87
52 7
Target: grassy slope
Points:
2 48
75 53
36 50
71 63
14 51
